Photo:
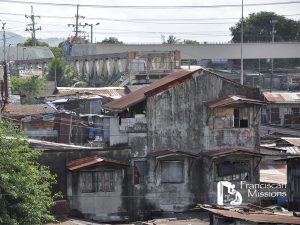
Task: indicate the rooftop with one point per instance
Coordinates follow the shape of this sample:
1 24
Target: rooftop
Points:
158 86
111 92
16 110
282 97
235 99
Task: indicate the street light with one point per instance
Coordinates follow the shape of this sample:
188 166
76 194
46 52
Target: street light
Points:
23 53
272 22
91 25
242 42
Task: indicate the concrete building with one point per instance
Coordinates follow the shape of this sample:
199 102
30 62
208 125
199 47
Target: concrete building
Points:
282 109
198 128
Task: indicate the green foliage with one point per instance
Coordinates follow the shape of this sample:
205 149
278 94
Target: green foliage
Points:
70 77
28 86
190 42
29 42
172 40
111 40
58 52
258 27
56 69
66 75
25 186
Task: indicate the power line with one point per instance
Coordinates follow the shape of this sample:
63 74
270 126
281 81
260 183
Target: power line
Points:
152 7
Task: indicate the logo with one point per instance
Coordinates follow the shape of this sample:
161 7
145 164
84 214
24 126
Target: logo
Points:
226 191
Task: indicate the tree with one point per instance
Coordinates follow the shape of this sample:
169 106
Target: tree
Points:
56 69
258 27
190 42
172 40
29 42
58 52
28 86
111 40
70 77
25 186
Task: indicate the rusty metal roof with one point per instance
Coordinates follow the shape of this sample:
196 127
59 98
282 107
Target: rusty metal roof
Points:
165 153
282 97
235 99
273 173
16 110
257 216
92 160
111 92
158 86
230 150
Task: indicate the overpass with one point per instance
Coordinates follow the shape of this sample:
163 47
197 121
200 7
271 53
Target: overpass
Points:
200 51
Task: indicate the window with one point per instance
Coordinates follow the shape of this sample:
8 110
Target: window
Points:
295 111
97 181
232 171
140 172
172 171
240 118
275 115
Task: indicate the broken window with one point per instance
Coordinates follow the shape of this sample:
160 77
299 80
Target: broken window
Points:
97 181
172 171
240 118
275 115
140 172
232 171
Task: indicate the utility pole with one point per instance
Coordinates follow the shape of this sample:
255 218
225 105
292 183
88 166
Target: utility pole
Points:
32 27
273 22
5 75
242 42
77 23
91 25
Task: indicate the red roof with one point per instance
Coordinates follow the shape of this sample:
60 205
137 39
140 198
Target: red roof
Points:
257 217
235 99
230 150
17 110
158 86
92 160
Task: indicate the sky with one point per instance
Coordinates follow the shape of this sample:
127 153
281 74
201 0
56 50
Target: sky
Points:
139 25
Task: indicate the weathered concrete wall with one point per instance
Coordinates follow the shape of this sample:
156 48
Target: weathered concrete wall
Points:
169 196
184 122
99 206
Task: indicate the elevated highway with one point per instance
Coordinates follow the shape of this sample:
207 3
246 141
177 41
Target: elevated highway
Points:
200 51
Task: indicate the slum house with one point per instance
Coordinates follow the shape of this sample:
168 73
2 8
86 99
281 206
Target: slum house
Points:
250 215
93 180
293 175
37 121
188 131
282 109
79 120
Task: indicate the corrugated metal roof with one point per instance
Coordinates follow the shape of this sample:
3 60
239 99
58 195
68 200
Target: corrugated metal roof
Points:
235 99
111 92
257 217
273 173
293 141
158 86
230 150
282 97
92 160
16 110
